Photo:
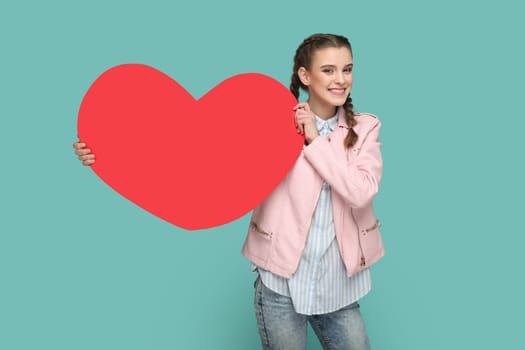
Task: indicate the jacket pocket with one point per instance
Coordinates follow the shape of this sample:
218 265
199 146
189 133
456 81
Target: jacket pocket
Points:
258 244
371 243
375 226
256 228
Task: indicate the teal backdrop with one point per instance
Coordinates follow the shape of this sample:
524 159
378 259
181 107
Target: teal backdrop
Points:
83 268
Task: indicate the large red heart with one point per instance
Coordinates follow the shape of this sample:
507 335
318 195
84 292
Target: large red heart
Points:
194 163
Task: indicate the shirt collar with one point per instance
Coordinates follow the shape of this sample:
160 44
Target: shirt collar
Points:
331 122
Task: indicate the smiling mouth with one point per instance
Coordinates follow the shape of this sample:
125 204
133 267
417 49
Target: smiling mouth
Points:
337 91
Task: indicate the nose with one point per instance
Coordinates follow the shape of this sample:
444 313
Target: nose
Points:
339 78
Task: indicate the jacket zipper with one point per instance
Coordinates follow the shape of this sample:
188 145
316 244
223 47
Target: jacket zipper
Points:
363 260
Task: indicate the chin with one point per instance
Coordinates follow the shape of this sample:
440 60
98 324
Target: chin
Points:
338 102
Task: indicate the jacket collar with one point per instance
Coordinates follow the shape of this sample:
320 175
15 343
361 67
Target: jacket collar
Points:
341 123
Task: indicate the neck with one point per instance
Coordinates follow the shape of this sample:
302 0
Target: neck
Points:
323 111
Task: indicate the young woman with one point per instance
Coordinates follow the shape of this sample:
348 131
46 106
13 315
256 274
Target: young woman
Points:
315 236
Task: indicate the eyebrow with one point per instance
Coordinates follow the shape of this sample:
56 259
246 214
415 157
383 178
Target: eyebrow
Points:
333 65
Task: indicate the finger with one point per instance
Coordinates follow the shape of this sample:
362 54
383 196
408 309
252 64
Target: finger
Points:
86 157
301 105
304 106
306 120
302 119
79 145
305 111
82 151
88 162
298 123
301 127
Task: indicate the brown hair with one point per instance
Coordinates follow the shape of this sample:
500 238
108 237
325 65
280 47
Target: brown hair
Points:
303 58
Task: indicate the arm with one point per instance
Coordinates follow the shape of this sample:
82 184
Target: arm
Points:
356 181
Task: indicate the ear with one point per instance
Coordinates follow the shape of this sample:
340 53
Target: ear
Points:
304 76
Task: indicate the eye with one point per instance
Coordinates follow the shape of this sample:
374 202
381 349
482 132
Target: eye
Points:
348 70
328 70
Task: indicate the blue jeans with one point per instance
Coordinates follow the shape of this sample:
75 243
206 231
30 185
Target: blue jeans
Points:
281 328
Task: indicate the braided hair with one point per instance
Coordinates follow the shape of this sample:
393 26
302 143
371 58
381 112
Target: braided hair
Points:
303 58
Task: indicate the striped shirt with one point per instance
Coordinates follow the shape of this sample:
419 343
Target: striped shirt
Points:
320 285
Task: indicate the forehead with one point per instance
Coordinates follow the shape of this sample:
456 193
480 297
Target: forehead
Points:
332 55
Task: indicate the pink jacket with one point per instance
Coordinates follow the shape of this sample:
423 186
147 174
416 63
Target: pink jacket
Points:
279 225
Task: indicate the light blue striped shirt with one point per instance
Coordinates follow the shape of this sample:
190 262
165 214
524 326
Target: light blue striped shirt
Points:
320 285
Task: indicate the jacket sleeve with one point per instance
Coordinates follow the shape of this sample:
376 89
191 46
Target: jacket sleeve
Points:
356 181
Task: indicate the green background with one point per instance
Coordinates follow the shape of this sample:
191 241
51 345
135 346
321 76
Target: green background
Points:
83 268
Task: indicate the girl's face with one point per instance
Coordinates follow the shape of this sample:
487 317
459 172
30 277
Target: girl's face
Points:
329 78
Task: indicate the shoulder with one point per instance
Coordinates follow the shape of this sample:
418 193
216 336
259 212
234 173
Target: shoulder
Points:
366 117
366 122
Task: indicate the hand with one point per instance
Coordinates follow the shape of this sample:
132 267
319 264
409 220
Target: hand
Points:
84 154
305 122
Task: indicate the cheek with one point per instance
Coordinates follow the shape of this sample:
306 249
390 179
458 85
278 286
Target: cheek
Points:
319 84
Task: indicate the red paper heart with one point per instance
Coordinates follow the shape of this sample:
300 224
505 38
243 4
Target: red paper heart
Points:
194 163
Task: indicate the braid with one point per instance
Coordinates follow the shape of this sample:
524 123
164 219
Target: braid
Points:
302 58
295 84
351 137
